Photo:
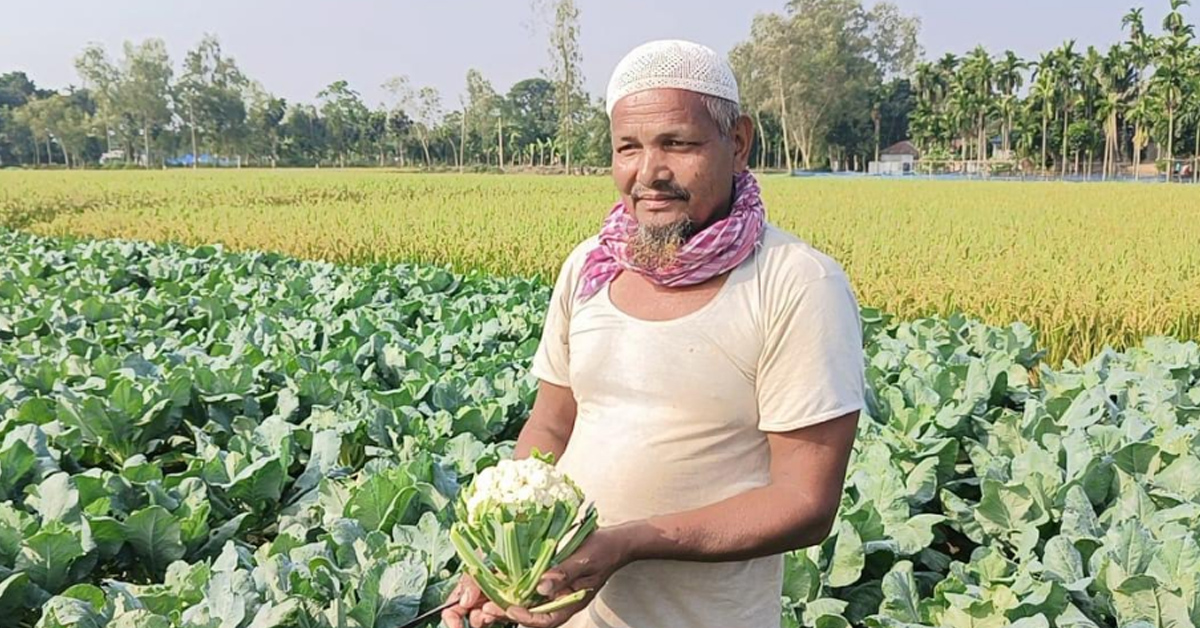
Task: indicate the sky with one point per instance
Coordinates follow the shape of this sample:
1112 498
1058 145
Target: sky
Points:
296 47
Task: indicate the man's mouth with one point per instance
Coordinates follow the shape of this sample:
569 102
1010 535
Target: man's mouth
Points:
656 202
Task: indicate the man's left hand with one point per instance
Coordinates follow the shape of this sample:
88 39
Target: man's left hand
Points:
596 560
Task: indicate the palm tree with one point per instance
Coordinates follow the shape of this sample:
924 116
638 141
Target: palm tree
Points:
921 123
1136 23
1190 114
1009 80
934 122
959 113
1141 114
925 79
1045 81
947 66
1172 70
1113 78
1091 94
1067 63
1139 49
1025 128
977 77
1144 87
922 126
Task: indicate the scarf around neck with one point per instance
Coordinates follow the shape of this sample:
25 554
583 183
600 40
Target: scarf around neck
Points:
716 249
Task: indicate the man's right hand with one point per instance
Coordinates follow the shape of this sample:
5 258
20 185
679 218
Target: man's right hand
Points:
473 608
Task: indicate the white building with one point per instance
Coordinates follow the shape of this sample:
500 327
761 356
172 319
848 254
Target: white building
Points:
897 159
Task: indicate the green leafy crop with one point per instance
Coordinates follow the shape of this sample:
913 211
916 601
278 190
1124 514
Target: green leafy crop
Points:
192 438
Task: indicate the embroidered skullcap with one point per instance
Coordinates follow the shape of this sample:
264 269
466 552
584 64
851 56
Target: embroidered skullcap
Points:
672 63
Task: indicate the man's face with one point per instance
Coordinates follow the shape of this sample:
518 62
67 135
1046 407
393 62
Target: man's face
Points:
672 167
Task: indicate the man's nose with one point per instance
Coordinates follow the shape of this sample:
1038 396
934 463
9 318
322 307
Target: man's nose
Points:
653 168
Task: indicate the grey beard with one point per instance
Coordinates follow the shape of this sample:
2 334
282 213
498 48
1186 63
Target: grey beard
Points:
654 247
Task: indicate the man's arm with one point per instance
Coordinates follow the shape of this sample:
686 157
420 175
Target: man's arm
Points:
550 422
797 509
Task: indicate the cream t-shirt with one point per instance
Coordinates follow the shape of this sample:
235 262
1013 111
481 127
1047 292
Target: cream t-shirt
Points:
673 415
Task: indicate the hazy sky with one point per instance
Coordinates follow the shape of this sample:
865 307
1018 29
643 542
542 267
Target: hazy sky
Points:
297 47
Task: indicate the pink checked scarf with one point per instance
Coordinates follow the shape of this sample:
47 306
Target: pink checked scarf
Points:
717 249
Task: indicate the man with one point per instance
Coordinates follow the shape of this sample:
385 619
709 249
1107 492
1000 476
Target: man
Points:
701 372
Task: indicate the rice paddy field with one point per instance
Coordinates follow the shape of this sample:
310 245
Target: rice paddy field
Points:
1085 265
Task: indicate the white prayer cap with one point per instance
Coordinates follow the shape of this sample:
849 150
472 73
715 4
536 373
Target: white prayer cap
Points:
672 63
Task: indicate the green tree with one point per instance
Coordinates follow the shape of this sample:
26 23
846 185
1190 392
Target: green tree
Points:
16 89
1010 78
894 106
429 113
58 119
532 114
374 134
928 119
484 115
596 135
264 121
1026 130
103 79
1140 48
564 71
144 89
399 128
1045 85
1174 68
1190 114
960 112
1089 99
304 135
764 61
978 76
823 62
422 109
71 124
399 107
753 89
1067 64
34 116
401 104
893 37
345 117
1114 78
210 95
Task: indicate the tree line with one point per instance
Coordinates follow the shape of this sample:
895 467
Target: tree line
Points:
139 109
1096 113
829 83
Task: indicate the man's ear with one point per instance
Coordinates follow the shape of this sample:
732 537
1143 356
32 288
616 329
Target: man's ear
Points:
743 140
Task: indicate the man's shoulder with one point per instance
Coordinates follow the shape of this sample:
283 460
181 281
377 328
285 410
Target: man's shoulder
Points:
793 260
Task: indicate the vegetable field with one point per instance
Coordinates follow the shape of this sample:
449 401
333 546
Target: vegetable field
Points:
1086 265
201 438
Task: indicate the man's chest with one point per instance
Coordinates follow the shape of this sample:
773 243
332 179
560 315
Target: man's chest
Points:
696 367
667 410
640 299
